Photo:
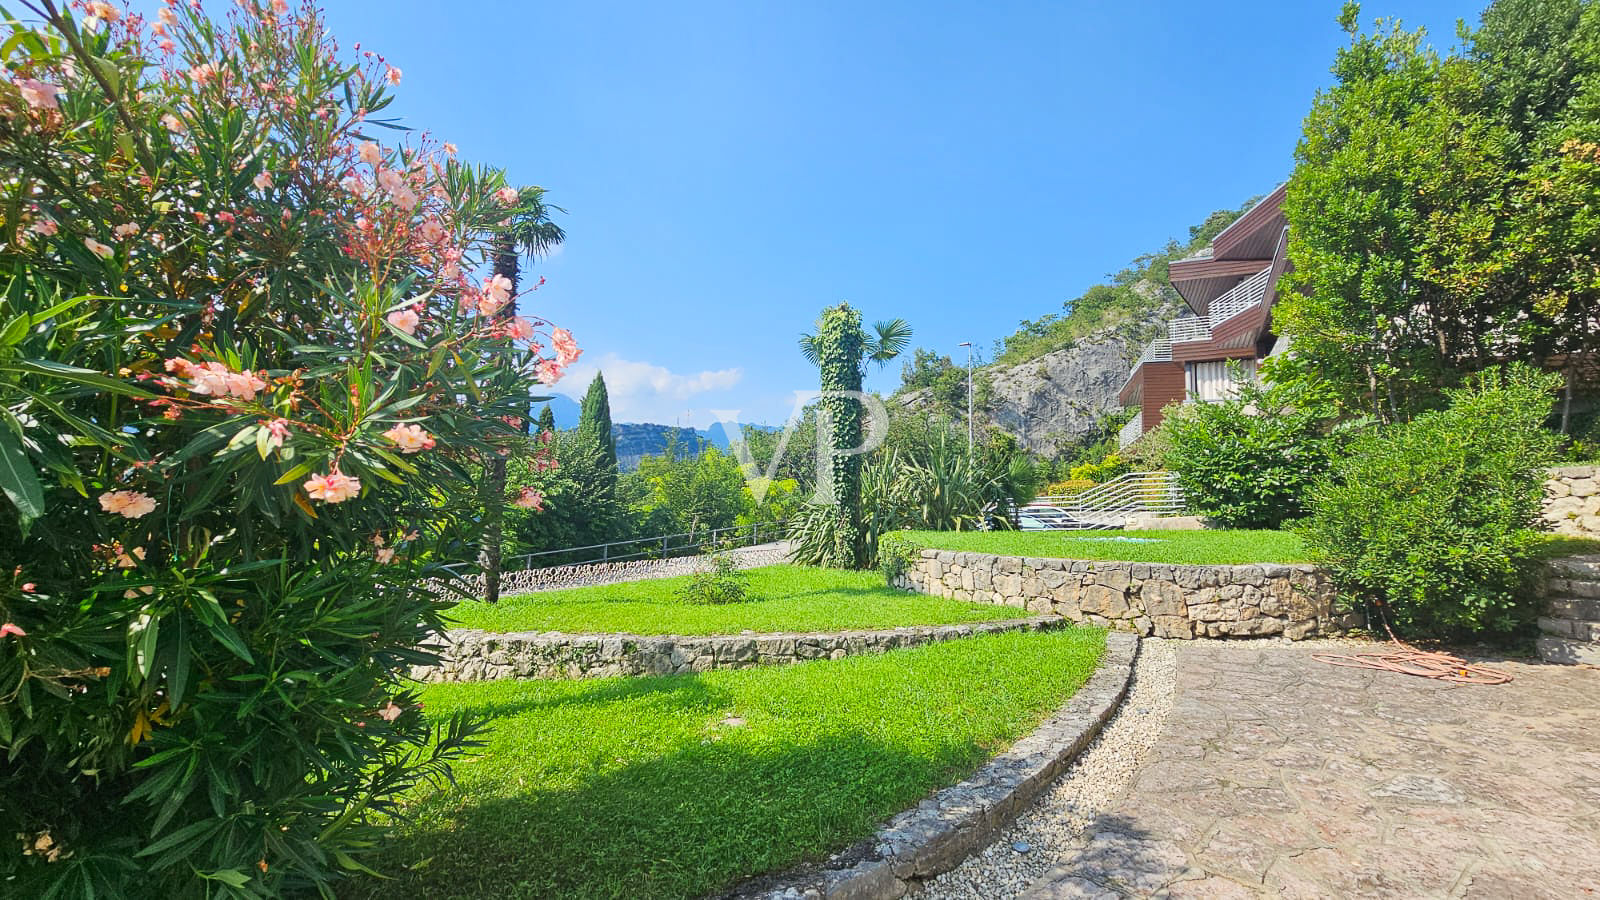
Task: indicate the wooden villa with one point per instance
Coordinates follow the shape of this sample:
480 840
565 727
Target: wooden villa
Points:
1229 287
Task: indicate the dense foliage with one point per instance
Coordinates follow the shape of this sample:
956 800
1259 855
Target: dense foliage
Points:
1432 519
1443 210
1249 461
245 380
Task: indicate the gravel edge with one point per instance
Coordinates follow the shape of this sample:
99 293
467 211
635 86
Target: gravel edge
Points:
942 831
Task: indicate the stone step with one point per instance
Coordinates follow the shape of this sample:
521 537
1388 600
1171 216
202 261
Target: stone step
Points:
1573 587
1578 568
1566 650
1570 628
1570 608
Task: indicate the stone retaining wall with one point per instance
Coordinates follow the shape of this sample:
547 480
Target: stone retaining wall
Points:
1296 601
471 655
1572 501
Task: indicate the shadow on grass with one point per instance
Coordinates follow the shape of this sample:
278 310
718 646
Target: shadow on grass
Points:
690 822
665 693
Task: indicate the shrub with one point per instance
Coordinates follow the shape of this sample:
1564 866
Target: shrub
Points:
1070 487
1249 461
243 378
724 583
1105 470
896 555
1432 519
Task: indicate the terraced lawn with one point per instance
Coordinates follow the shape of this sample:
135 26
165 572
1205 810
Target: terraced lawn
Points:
787 598
1182 547
679 786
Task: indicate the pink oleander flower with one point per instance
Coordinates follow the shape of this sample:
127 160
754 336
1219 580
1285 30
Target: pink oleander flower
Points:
567 350
432 231
125 230
393 75
496 294
144 590
405 198
11 629
225 218
98 249
213 379
390 180
174 124
45 227
371 153
203 74
549 371
128 504
529 498
101 10
167 17
280 7
277 432
390 712
508 196
410 438
334 487
449 149
262 181
39 94
384 555
519 329
404 319
167 45
126 560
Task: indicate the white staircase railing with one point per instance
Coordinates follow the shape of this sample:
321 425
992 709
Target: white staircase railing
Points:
1107 506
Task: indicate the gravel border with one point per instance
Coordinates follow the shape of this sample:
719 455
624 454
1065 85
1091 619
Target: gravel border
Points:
943 830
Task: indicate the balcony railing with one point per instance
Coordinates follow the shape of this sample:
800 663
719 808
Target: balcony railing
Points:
1131 431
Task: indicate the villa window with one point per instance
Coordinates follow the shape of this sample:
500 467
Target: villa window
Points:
1210 382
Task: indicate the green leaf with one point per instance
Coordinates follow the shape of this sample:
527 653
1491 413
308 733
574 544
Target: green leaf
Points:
15 330
18 480
294 473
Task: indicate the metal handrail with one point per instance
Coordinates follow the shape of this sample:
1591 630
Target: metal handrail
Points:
697 540
1107 505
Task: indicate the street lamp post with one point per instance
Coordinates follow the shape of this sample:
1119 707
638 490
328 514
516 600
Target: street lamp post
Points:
968 345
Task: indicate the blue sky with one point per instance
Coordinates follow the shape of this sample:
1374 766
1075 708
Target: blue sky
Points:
730 168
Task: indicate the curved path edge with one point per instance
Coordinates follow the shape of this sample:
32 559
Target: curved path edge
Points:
472 655
943 830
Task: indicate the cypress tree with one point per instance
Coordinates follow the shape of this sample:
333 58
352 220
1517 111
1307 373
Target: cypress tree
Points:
547 420
594 418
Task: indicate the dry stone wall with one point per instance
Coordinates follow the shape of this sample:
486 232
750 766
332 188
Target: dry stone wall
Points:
1572 501
471 655
1295 601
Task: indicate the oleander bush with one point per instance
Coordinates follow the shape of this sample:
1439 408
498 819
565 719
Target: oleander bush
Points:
245 374
1432 520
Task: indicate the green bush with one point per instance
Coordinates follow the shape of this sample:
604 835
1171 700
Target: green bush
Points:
896 555
725 582
1249 461
246 371
1432 519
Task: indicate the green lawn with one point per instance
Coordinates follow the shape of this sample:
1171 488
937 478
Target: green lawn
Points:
1554 546
1190 547
788 598
678 786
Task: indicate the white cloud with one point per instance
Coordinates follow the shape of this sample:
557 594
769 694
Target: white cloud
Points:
646 392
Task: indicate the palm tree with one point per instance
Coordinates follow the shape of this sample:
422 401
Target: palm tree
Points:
841 349
527 231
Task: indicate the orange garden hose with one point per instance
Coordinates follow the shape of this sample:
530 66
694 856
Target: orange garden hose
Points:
1408 660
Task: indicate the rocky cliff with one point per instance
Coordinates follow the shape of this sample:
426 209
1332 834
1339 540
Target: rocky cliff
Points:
1051 401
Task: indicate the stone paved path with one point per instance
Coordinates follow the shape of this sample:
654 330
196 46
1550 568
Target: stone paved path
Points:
1279 775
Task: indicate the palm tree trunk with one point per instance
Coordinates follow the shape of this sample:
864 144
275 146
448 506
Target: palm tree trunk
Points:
494 476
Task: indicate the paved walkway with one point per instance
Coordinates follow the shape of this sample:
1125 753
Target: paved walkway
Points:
1279 775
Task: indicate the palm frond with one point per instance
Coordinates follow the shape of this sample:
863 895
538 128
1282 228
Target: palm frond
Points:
808 349
890 339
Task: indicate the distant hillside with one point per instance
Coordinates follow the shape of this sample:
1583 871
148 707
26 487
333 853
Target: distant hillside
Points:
1057 376
1134 296
636 440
